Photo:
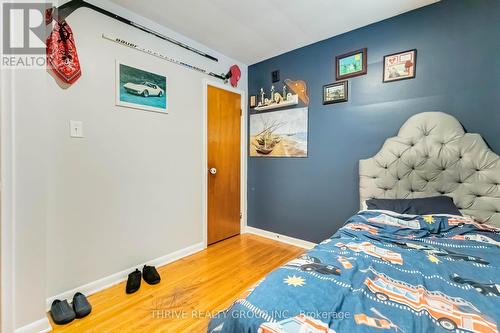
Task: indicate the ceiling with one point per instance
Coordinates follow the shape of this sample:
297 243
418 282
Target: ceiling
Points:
251 31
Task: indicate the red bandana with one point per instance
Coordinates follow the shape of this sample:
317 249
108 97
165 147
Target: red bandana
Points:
62 57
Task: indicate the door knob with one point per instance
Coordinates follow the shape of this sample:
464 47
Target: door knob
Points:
213 171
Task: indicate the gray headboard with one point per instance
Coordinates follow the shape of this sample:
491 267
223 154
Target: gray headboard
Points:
432 155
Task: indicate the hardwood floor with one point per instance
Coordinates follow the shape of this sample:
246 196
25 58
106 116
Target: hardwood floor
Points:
191 289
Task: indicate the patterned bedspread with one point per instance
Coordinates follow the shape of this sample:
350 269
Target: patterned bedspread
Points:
381 272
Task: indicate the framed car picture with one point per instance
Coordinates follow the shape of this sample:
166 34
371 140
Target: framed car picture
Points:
400 66
335 93
351 64
140 89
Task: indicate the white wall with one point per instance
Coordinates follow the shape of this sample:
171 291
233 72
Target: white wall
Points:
27 184
7 205
131 190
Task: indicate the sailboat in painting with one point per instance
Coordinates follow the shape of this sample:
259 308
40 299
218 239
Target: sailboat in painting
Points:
266 140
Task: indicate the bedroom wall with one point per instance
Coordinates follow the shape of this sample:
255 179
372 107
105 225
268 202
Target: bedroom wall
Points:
30 162
458 72
128 192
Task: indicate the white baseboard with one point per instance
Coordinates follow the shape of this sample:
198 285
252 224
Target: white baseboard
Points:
39 326
111 280
281 238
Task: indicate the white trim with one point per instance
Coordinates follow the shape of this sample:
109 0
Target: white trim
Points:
280 238
243 158
39 326
7 227
111 280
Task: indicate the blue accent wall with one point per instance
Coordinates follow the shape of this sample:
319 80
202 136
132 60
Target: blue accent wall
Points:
458 72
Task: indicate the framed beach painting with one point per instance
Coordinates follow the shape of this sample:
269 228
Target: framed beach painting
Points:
400 66
351 64
279 133
140 89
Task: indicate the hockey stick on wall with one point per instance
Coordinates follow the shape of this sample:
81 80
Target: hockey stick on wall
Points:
63 11
163 56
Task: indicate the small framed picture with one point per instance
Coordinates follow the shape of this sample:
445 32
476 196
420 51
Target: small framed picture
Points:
335 93
400 66
253 101
351 64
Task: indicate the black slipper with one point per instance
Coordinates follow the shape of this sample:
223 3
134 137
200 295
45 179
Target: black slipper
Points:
61 312
150 274
133 282
81 305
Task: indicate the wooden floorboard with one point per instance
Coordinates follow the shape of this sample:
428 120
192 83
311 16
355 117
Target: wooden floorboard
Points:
190 291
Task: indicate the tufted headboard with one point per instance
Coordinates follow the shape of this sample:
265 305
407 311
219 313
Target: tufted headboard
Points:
432 155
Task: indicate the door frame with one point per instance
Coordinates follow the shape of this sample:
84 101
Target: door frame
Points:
243 156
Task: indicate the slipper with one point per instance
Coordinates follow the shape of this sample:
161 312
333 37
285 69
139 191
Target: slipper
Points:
61 312
150 274
81 305
133 282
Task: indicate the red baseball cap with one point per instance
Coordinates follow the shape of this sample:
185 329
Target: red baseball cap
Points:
234 75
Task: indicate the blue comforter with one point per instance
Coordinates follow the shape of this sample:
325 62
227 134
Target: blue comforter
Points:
381 272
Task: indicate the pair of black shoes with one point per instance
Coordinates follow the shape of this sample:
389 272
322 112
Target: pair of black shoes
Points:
150 275
62 313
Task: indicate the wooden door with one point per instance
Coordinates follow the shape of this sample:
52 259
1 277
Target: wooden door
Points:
224 134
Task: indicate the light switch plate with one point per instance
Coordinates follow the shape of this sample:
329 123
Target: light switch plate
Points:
76 128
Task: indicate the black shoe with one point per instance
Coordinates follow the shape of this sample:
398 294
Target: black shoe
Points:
61 312
133 282
81 305
150 274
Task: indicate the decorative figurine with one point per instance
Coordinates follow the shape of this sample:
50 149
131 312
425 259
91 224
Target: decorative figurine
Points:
274 98
278 98
299 88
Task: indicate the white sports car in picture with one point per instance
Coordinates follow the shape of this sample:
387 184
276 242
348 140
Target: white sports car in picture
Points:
144 89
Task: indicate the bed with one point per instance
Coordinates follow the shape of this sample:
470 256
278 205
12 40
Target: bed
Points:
390 272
